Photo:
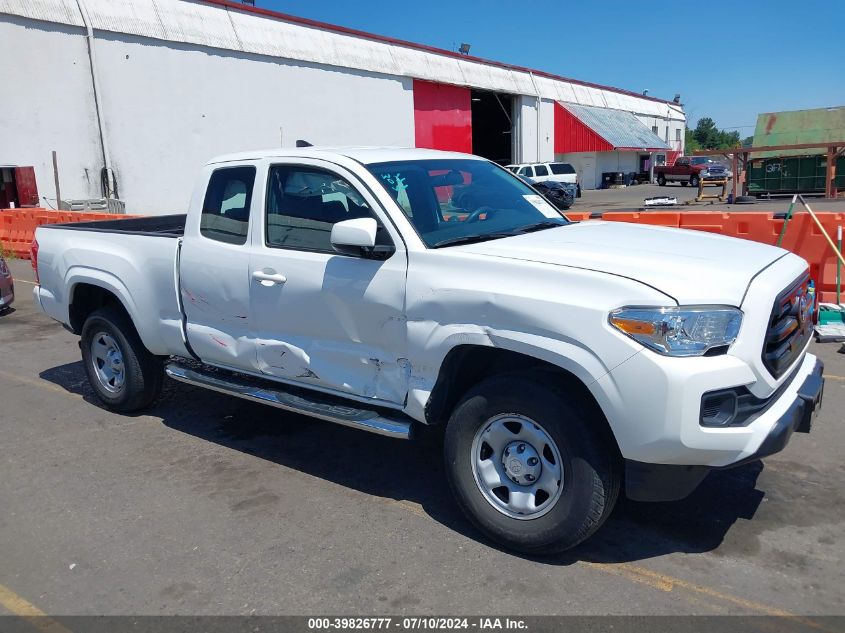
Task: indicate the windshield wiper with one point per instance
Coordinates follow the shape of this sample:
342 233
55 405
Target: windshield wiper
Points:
472 239
539 226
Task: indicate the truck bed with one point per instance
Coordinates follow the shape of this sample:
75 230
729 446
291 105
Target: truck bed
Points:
135 259
159 226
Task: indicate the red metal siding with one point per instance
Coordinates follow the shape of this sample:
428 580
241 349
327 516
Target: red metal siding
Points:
571 135
27 189
672 156
442 116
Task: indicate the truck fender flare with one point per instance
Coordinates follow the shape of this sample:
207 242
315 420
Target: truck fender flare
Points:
77 275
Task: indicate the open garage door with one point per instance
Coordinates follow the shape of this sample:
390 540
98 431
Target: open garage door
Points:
492 126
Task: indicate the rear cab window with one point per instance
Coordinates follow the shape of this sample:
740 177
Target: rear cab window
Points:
225 209
541 170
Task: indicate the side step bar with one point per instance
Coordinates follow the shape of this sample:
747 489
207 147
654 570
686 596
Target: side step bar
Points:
292 399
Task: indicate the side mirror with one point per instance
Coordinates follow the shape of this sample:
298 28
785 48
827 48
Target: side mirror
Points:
357 237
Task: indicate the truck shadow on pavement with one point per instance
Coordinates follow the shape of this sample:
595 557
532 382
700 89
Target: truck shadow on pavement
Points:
393 470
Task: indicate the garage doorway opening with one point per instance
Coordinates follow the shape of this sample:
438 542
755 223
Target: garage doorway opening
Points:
492 126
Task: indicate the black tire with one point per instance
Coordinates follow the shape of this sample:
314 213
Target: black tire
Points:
745 200
578 192
693 180
684 183
661 180
143 372
590 463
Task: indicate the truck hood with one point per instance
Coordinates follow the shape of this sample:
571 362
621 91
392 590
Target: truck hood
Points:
692 267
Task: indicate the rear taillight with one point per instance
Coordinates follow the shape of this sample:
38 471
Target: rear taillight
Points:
33 257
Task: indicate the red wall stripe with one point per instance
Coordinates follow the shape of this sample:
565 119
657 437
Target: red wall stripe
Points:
571 135
442 116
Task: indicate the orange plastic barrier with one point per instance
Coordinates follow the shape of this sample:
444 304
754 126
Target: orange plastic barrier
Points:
17 226
654 218
802 236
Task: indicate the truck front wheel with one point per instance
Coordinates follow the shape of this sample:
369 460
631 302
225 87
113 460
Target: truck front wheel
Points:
693 180
123 373
529 465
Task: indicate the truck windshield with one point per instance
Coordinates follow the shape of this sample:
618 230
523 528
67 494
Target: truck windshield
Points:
459 201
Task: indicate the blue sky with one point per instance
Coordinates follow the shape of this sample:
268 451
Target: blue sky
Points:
746 57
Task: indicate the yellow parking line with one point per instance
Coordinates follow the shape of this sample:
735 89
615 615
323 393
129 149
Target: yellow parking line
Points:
24 281
834 377
21 607
667 583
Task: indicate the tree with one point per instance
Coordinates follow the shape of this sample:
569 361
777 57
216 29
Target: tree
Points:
707 136
690 144
706 133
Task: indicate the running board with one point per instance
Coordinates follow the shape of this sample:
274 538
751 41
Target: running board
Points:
292 399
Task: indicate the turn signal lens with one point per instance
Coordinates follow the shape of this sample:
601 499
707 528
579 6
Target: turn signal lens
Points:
632 326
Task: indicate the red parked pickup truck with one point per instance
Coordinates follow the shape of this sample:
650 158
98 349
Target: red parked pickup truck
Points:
688 170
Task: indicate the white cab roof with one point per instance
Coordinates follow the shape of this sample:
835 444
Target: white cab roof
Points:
366 155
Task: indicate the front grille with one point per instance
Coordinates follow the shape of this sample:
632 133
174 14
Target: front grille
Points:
790 326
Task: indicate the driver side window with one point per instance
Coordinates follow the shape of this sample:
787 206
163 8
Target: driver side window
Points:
304 203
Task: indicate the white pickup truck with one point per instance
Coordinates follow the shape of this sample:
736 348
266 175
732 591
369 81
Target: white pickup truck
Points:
386 289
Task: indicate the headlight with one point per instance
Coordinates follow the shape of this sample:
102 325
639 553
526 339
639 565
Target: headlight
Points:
679 331
704 173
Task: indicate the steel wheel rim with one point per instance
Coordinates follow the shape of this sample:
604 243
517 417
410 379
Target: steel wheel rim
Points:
502 479
107 361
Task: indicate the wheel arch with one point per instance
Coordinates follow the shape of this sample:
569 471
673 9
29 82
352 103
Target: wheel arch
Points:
88 292
467 365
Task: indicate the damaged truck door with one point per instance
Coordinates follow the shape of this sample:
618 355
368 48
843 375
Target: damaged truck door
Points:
336 321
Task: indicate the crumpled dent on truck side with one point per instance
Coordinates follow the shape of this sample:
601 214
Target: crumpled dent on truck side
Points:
552 313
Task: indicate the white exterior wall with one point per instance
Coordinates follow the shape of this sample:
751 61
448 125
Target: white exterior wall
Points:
616 161
585 166
47 104
668 127
182 81
170 107
199 103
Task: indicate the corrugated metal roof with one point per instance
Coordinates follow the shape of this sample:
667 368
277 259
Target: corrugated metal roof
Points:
618 127
225 25
822 125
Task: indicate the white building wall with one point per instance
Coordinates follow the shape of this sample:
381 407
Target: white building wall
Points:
615 162
170 107
182 81
47 104
585 165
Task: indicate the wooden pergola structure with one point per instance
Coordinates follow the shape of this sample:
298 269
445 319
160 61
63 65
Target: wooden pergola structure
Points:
740 156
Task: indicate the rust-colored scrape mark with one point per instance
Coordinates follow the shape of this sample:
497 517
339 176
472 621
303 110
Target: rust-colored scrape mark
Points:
218 341
770 123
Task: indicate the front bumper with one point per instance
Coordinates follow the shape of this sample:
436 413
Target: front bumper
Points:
669 482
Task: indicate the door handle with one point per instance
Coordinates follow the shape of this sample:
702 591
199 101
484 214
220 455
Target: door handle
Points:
268 279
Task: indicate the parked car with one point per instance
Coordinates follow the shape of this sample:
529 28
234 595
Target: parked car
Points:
560 194
688 171
543 172
389 289
7 286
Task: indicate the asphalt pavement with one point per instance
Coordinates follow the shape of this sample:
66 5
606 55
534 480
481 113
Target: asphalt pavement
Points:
207 504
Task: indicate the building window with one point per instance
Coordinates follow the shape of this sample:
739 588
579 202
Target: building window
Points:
678 135
654 129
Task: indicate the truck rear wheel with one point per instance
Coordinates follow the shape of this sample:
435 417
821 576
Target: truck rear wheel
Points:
123 373
528 464
661 180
